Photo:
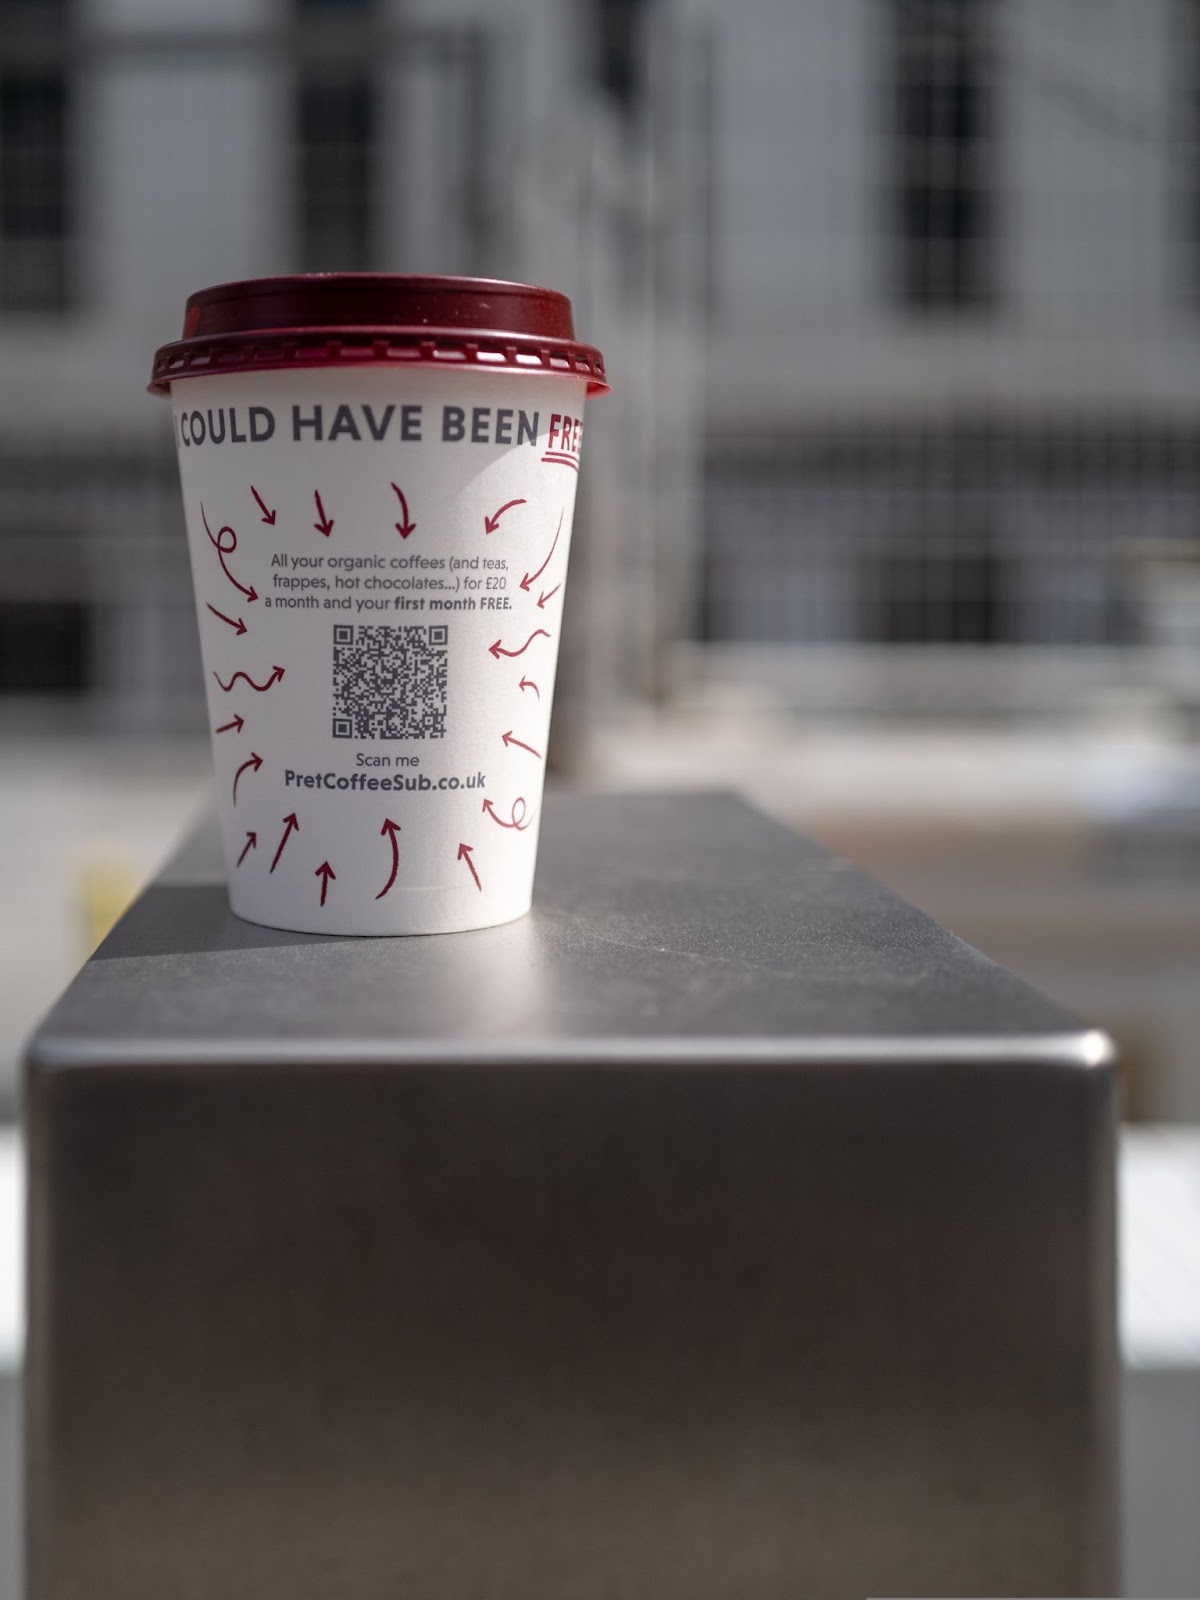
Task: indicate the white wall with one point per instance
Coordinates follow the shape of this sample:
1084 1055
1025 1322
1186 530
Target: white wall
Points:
796 164
174 192
1087 124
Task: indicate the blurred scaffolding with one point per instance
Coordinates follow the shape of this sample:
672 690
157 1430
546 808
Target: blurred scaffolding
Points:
899 297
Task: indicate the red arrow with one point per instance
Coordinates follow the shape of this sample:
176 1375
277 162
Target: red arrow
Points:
290 822
498 649
259 688
464 854
406 527
267 516
251 844
548 594
236 623
521 745
255 761
325 872
520 823
392 829
238 723
528 683
325 526
490 524
531 578
224 542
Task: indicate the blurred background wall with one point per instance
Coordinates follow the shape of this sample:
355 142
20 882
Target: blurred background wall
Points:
900 294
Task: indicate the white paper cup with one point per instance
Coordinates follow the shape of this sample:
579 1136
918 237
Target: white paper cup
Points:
379 551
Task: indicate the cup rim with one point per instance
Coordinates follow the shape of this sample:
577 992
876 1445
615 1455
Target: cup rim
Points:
351 319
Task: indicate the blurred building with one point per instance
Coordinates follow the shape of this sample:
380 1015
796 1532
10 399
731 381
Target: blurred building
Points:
148 148
899 297
954 373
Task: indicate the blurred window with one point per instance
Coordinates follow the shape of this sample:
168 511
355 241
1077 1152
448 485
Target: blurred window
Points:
619 48
939 596
943 152
44 646
335 118
34 158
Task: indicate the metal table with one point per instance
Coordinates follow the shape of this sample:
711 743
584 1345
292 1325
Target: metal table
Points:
726 1228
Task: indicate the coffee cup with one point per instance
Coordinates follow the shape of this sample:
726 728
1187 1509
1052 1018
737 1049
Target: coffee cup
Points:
379 477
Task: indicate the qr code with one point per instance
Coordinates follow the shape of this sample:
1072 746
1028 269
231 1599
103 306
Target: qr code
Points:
389 683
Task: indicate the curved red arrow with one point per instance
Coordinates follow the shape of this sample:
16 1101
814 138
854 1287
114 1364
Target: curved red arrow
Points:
251 844
464 854
259 688
498 649
325 526
291 824
267 516
325 872
255 761
236 623
225 546
520 823
521 745
405 527
548 594
238 723
528 683
392 829
531 578
490 524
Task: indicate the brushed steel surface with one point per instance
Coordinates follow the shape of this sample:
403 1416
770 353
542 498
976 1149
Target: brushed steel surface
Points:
725 1229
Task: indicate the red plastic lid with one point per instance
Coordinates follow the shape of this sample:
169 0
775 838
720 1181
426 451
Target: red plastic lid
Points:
351 318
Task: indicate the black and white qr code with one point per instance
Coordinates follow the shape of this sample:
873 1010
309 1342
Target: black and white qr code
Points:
389 683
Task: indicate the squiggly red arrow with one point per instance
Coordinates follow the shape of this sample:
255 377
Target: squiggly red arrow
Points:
259 688
392 829
236 623
520 743
325 872
404 527
325 526
237 723
251 844
464 854
531 578
490 524
528 683
520 823
225 546
498 649
255 761
291 824
548 594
